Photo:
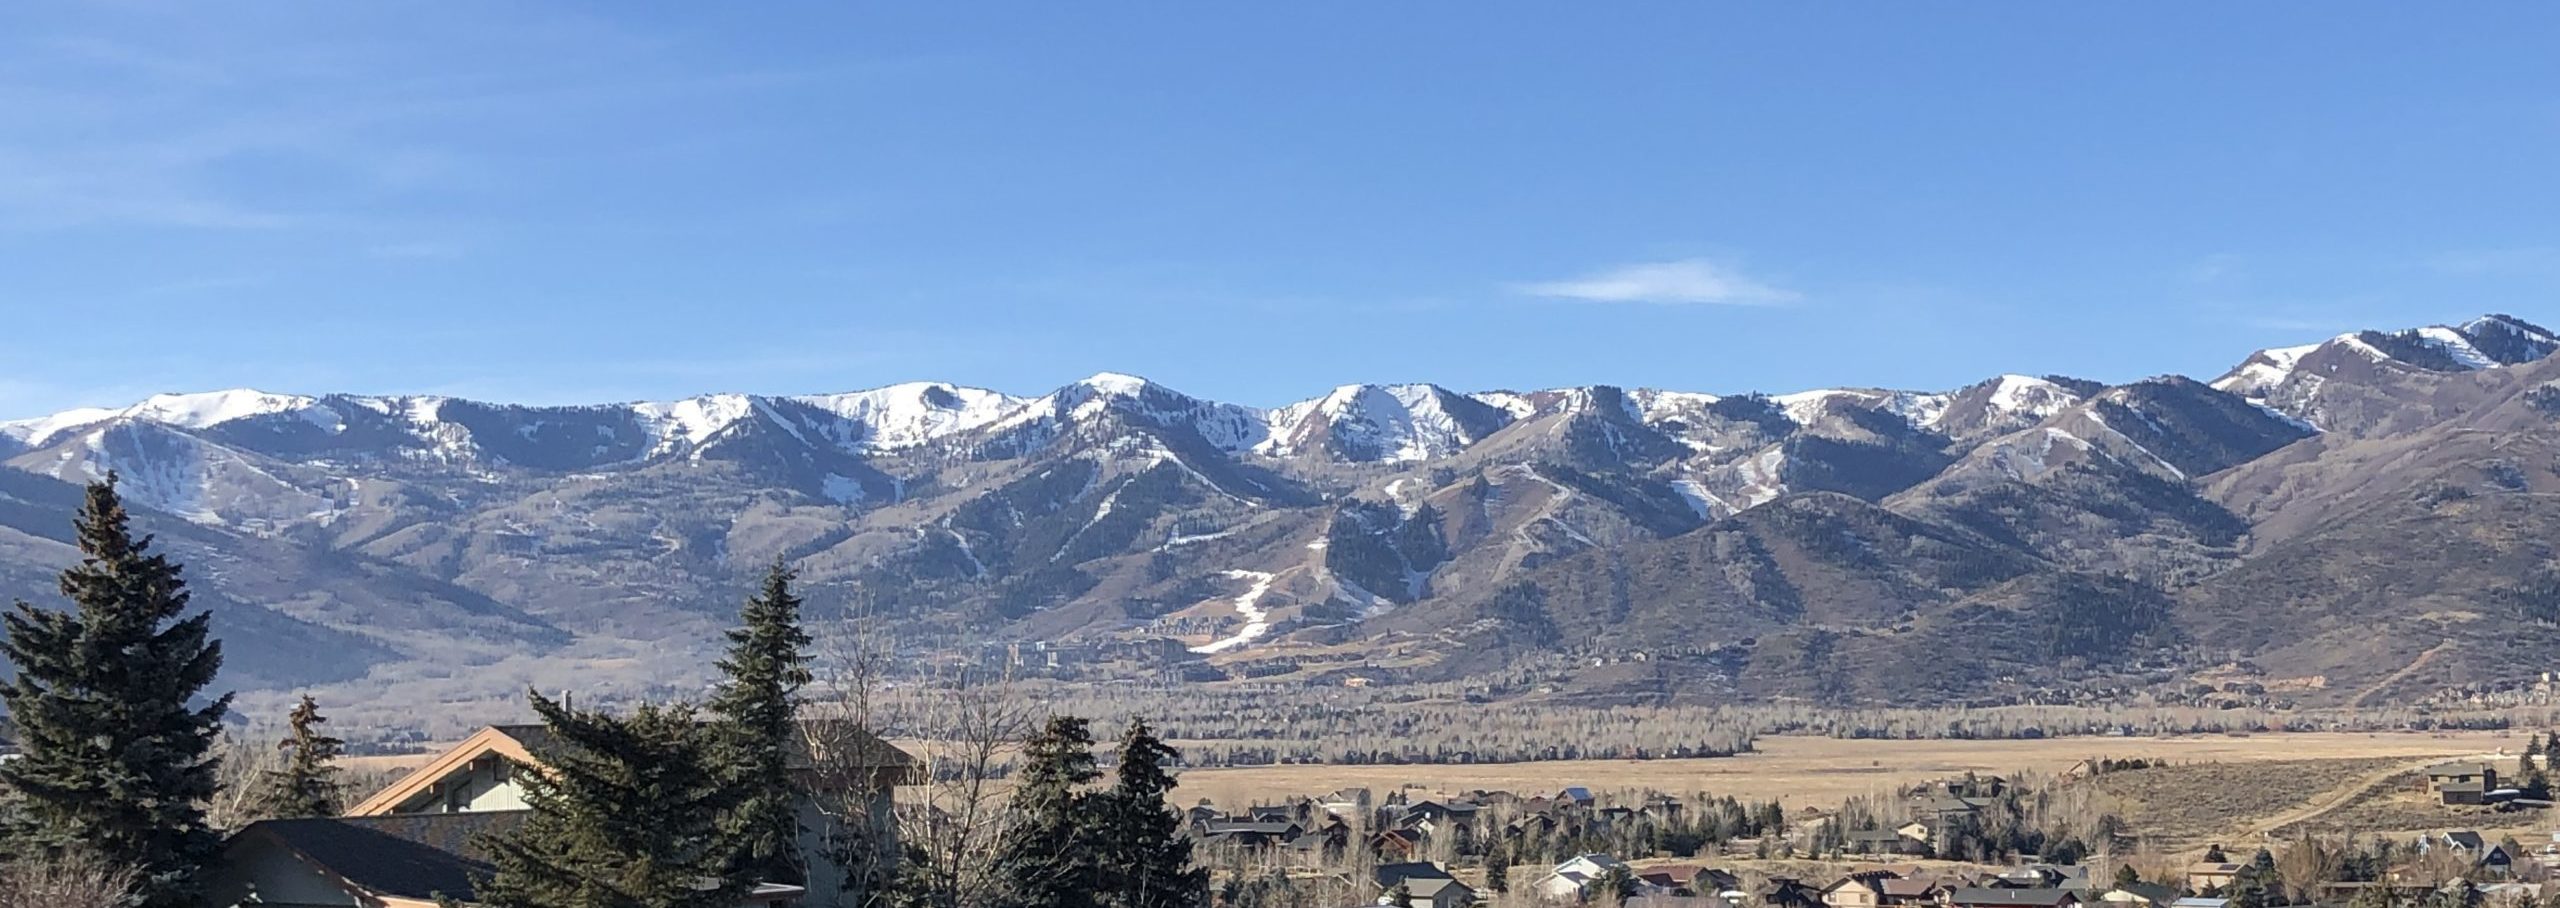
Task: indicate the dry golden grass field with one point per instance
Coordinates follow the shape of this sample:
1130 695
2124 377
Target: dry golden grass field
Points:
1820 772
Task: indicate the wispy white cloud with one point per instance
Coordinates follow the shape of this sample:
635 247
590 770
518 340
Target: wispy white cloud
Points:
1681 282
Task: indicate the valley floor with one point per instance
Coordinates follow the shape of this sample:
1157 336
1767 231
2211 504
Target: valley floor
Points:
1820 772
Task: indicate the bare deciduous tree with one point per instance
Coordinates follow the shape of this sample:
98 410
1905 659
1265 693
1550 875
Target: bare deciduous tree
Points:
2306 865
950 813
69 880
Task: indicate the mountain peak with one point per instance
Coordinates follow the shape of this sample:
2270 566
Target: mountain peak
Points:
1120 384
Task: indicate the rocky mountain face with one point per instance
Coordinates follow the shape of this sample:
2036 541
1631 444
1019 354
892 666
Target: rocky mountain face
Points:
2360 520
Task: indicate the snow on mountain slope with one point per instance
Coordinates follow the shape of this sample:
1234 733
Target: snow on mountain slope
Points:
2486 342
1808 408
1382 424
915 413
1032 426
691 421
2264 369
186 411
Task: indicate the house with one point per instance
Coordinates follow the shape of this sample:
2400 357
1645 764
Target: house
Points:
1428 883
2004 897
1883 842
477 784
1349 803
2040 876
1572 880
1911 890
1396 844
2138 895
398 861
2211 877
1787 892
1577 795
2462 782
1861 889
1665 881
2493 860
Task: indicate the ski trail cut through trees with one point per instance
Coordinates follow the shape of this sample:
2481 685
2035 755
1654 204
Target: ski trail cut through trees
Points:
1256 620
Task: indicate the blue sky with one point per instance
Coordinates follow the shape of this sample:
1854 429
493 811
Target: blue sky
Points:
1249 202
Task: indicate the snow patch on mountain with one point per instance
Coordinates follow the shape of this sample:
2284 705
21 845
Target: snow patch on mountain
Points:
2263 370
915 413
1257 620
185 411
1398 423
2456 347
691 421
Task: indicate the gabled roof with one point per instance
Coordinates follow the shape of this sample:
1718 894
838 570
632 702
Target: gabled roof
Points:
411 857
2150 892
2460 768
2013 898
2465 839
1388 875
498 741
1426 887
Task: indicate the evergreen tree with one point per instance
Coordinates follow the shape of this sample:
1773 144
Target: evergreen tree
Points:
757 705
2213 854
1044 859
1617 884
308 784
2127 876
117 758
1400 895
2256 885
626 814
1497 870
1145 859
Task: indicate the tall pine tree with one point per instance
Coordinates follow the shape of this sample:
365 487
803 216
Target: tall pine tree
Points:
308 784
1045 857
117 752
1144 857
626 814
757 704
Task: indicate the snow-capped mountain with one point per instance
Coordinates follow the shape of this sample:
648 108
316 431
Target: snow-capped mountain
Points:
1117 508
1382 424
2292 380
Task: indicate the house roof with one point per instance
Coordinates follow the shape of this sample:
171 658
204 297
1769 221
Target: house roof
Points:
1907 887
416 857
2150 892
1387 875
1426 887
2210 869
2465 839
531 744
2200 902
2020 898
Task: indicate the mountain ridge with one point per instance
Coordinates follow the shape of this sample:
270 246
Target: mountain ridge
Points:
1840 532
